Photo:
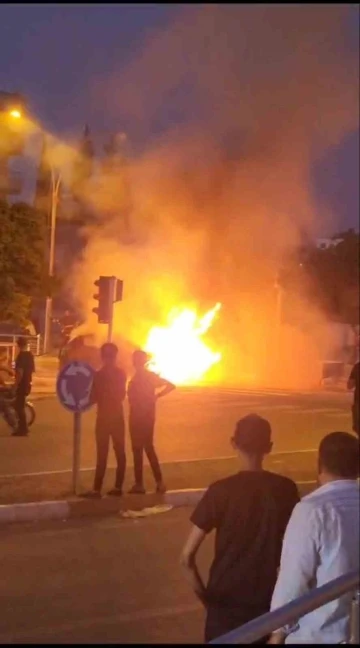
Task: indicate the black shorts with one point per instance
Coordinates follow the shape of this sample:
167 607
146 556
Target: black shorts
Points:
355 418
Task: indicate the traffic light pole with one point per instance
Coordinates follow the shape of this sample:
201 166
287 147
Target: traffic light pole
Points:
111 308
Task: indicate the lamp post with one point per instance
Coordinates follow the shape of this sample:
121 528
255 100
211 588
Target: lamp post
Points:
55 187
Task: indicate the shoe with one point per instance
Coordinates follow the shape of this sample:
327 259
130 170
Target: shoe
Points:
161 488
92 495
115 492
19 434
137 489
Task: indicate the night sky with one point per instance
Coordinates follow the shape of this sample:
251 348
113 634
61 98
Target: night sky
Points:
60 56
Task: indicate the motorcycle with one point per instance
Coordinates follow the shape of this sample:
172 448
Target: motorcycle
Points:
7 409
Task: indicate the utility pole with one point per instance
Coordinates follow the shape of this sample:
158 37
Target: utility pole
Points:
55 187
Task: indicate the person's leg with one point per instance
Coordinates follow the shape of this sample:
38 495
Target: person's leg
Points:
118 440
102 450
19 406
137 444
356 417
150 451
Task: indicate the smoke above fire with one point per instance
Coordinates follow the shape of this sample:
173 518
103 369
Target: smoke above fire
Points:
244 101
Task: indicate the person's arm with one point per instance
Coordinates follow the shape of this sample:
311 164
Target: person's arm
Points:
351 380
19 372
298 561
188 561
94 390
204 519
167 387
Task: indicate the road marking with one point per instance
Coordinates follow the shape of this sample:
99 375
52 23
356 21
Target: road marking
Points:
163 463
126 617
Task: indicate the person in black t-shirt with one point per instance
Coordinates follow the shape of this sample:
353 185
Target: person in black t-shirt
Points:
249 512
142 396
354 383
24 369
108 393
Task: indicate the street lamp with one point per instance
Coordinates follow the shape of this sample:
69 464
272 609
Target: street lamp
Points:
55 187
15 113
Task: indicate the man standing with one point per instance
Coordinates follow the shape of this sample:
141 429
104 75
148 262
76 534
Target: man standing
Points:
142 397
249 511
108 393
24 369
321 543
353 383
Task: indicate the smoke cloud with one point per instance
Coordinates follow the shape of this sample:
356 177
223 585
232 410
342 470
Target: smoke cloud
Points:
244 100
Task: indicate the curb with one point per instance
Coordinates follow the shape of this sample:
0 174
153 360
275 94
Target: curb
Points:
34 512
79 508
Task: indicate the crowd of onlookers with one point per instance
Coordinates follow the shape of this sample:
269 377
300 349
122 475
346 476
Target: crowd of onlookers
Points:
271 547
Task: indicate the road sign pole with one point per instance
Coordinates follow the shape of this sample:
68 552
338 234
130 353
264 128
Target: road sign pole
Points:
76 451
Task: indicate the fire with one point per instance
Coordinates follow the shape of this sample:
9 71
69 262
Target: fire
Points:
178 350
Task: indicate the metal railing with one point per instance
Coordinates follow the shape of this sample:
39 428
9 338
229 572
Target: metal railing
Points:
8 342
272 621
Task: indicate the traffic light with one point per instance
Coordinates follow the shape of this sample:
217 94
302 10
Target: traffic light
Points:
110 290
119 286
104 297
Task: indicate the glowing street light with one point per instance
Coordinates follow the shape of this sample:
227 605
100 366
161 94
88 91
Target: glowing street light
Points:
15 113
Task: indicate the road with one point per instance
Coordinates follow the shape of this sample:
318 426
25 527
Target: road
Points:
103 581
192 424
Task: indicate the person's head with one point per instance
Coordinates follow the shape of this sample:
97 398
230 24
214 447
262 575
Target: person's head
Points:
22 343
109 353
140 359
338 457
252 439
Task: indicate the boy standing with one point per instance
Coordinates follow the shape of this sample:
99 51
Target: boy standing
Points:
142 397
108 392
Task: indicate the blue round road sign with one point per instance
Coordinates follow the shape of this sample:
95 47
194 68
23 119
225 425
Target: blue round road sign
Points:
73 386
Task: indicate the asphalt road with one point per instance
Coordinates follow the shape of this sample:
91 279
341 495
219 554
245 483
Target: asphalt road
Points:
192 424
103 581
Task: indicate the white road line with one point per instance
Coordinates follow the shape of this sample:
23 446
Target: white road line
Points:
89 621
163 463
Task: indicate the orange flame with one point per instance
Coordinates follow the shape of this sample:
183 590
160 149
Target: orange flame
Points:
178 351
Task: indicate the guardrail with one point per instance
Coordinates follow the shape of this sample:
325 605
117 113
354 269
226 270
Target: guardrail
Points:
272 621
9 343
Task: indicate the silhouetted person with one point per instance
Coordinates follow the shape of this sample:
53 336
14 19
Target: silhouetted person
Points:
354 383
249 512
142 395
108 393
24 369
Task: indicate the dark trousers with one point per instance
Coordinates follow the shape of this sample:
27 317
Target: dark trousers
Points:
105 429
355 417
19 406
219 621
142 440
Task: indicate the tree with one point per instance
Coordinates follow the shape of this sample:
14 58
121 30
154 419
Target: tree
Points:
23 273
83 165
327 277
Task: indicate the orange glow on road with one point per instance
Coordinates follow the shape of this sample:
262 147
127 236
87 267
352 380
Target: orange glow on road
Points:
177 349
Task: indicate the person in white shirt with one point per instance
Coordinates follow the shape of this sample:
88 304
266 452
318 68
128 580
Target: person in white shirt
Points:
321 543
